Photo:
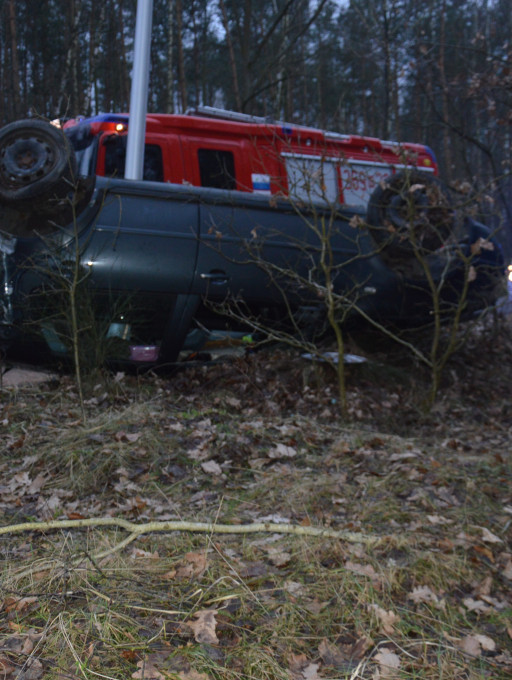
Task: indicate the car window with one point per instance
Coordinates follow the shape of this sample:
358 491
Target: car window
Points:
217 168
115 157
153 164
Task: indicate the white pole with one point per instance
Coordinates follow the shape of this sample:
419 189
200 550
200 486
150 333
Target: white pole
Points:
139 91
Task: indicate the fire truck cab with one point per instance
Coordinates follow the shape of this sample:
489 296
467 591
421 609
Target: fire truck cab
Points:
208 147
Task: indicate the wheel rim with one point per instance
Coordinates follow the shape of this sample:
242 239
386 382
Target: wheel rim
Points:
24 160
422 214
403 211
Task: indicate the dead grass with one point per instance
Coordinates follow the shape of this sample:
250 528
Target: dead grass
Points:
250 441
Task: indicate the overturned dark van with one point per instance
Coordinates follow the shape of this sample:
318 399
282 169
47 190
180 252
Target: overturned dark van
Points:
233 212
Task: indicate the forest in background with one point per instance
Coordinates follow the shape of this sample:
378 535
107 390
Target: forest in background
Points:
437 72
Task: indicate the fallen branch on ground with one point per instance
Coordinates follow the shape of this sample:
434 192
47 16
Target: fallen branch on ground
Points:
202 527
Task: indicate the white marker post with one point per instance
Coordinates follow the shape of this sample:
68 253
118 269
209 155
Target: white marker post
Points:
139 91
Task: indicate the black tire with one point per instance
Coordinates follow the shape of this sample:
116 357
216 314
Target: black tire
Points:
410 214
36 162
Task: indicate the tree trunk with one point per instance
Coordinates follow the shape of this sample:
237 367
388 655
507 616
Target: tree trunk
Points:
232 60
169 96
125 78
182 84
15 69
387 72
444 94
91 66
68 90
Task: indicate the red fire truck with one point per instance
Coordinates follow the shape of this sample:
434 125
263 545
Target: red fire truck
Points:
210 147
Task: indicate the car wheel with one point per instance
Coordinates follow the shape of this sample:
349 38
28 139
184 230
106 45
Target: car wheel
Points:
410 216
36 162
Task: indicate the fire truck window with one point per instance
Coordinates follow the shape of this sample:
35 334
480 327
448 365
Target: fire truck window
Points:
115 157
153 164
311 179
217 168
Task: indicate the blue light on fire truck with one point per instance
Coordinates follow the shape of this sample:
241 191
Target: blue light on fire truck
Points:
431 154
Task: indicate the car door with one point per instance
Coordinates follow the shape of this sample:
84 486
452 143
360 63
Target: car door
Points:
264 251
145 238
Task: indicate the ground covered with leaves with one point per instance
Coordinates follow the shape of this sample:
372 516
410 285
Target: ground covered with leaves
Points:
420 587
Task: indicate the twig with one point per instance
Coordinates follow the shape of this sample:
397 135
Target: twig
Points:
201 527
